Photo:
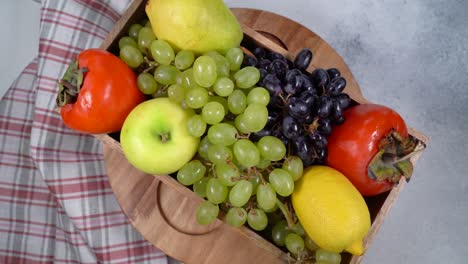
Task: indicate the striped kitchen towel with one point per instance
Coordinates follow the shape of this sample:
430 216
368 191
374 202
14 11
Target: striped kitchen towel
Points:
56 205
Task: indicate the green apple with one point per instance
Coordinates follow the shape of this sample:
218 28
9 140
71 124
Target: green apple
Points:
154 137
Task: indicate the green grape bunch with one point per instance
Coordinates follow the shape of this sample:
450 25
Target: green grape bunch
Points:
241 180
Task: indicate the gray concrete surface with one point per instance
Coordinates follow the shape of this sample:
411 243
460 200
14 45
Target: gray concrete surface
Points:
413 57
19 38
409 55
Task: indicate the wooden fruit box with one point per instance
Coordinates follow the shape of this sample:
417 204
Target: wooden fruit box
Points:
163 210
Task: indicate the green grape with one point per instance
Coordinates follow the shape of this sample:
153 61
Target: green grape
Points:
216 192
145 37
240 124
223 86
294 243
203 148
237 101
257 219
176 93
134 30
191 172
204 71
310 244
271 148
258 95
294 166
298 229
236 216
219 154
199 187
255 180
207 213
185 79
235 56
222 101
147 23
196 126
222 64
222 134
266 197
247 77
131 56
281 182
162 52
213 113
240 193
279 233
196 97
166 74
264 163
255 117
246 153
272 209
124 41
327 256
146 83
228 174
184 59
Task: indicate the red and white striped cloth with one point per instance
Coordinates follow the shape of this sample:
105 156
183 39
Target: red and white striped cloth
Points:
56 205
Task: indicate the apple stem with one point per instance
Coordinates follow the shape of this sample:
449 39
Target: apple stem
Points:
165 137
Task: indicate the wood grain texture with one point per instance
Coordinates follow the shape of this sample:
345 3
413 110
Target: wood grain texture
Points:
162 210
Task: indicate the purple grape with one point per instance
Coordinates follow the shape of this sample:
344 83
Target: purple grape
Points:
302 147
336 111
344 100
278 67
303 59
339 121
308 119
249 61
291 75
324 107
291 128
293 86
324 126
336 85
319 77
272 84
322 156
275 56
263 63
333 73
308 98
259 52
258 135
263 73
273 118
297 108
319 140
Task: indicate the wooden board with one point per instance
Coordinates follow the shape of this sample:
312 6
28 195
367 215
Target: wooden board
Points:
162 210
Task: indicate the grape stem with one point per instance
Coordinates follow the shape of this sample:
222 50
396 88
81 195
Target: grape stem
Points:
285 100
260 175
243 136
312 127
151 65
287 214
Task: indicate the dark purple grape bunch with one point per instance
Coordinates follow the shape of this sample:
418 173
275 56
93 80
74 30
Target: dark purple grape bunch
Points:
303 106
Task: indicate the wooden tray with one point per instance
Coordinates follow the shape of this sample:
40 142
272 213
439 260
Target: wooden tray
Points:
163 210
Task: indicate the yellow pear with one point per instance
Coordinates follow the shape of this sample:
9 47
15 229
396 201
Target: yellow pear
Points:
196 25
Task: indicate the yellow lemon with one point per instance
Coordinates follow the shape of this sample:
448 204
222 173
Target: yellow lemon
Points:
331 210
